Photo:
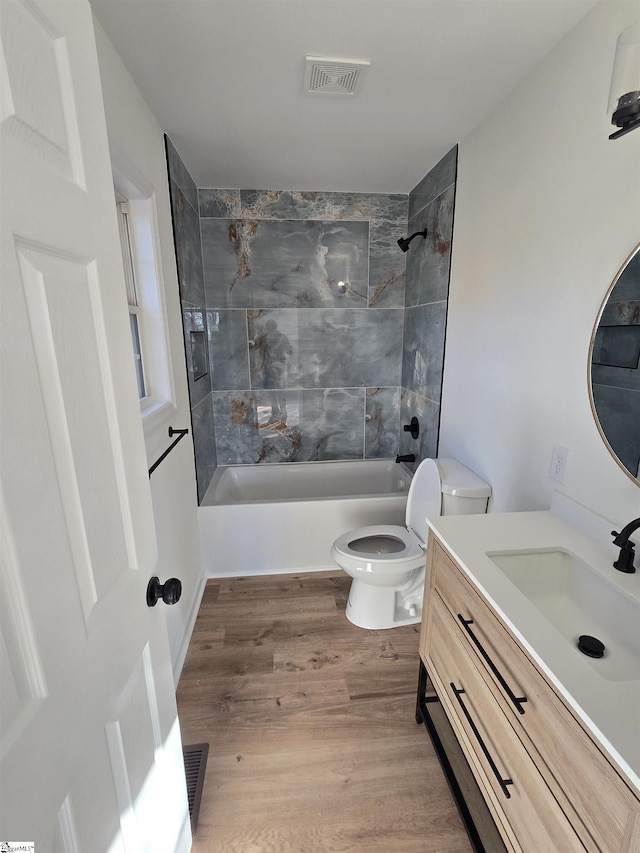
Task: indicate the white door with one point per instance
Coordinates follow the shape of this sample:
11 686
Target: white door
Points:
90 754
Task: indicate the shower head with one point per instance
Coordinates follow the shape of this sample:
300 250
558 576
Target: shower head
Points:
403 242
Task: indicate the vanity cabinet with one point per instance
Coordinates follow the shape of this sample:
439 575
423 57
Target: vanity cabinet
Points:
546 781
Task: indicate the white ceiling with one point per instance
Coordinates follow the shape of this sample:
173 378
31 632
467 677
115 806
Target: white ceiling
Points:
225 81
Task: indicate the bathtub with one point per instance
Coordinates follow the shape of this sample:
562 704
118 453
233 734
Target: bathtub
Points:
273 519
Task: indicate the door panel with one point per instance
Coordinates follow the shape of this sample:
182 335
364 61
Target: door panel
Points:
38 101
62 300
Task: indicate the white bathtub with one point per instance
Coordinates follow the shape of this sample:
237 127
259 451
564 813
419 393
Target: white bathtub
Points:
271 519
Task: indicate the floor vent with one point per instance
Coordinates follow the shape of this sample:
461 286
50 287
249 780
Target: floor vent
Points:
195 762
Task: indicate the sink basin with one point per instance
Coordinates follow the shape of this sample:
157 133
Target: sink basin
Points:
577 599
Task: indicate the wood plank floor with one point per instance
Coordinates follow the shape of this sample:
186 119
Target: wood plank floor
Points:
310 722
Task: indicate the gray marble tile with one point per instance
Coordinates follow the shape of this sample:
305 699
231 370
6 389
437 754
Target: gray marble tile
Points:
235 417
428 414
179 173
325 348
429 260
616 377
228 349
616 357
382 420
204 439
270 264
195 330
387 265
423 349
275 358
434 182
284 204
616 345
289 426
186 235
219 204
622 312
204 446
619 415
204 475
351 347
332 424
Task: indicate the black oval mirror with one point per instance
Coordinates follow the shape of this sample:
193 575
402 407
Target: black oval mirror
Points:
614 367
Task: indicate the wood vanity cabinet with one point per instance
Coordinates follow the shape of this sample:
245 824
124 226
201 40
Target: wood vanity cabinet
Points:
546 781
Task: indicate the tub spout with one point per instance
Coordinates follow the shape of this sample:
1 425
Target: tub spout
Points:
408 457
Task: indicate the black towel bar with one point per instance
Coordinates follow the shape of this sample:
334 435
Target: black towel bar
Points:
181 434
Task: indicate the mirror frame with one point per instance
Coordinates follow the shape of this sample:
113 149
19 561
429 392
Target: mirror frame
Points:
594 412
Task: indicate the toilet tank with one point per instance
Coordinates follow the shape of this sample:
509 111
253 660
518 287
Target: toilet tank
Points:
443 487
463 492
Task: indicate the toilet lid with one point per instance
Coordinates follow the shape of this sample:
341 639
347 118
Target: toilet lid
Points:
424 499
380 543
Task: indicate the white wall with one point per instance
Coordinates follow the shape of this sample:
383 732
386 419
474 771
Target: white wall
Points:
547 209
137 146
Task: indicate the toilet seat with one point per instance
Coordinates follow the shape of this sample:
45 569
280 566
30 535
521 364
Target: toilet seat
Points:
411 550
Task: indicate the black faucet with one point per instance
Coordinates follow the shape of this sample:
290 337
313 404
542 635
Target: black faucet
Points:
624 563
408 457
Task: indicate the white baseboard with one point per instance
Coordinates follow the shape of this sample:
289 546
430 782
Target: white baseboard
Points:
181 656
250 572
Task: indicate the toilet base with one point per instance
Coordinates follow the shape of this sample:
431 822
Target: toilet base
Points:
379 607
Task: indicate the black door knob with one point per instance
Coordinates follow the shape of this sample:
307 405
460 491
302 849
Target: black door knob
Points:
169 591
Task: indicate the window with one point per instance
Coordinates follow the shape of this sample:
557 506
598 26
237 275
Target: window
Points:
135 315
137 221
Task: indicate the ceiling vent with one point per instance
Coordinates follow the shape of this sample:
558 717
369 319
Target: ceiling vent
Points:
333 76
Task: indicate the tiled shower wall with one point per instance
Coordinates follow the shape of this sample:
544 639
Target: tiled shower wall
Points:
431 206
302 299
186 234
305 294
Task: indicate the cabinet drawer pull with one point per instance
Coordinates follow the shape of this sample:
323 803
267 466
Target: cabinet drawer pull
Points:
502 782
517 700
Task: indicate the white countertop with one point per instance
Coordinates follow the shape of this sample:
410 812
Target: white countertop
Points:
610 710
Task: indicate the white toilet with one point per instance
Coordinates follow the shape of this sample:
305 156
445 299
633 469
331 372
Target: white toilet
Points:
387 562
